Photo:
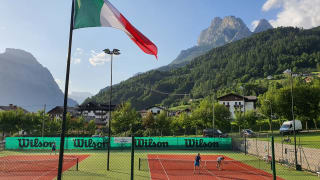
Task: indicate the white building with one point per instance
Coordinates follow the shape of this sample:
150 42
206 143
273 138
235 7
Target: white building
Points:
235 103
97 112
153 109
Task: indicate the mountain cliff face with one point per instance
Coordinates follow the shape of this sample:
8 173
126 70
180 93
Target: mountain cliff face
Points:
263 25
26 83
222 31
219 33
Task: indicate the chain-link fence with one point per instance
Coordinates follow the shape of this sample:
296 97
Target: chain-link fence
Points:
244 157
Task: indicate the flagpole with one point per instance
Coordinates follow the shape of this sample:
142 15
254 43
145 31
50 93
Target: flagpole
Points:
109 136
65 104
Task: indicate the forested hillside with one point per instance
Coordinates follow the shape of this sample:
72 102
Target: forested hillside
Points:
223 69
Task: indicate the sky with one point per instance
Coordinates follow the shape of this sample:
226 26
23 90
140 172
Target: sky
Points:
42 28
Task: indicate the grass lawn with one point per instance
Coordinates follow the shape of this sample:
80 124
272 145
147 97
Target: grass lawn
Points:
305 139
94 167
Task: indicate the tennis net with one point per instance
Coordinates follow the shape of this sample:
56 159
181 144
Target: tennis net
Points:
181 164
32 165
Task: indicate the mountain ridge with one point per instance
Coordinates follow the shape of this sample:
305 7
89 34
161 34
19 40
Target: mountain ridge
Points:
25 82
222 69
220 32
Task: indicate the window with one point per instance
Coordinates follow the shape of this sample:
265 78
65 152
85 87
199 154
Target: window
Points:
239 103
228 104
224 103
236 103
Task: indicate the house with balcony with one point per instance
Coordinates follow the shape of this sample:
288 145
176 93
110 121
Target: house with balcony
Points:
97 112
237 103
57 112
155 110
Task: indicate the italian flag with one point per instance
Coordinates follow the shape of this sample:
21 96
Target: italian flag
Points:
101 13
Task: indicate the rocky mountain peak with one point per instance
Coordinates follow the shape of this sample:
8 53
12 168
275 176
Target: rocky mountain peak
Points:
216 21
222 31
263 25
21 56
26 83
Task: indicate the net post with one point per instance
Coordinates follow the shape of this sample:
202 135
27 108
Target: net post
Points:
77 167
273 159
132 157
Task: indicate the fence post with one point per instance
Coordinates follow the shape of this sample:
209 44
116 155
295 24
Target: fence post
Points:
132 157
245 145
77 167
273 159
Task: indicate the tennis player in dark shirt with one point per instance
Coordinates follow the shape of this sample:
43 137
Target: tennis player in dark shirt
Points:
53 148
197 161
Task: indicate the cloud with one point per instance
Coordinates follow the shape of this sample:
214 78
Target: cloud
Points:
78 52
3 28
297 13
75 60
76 57
98 58
272 4
254 24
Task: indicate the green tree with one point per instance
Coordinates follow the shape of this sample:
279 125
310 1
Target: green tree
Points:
54 127
240 120
124 118
306 101
203 114
251 119
162 123
91 127
149 123
222 117
9 122
176 125
187 125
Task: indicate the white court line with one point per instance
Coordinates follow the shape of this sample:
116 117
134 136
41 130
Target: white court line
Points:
163 168
149 168
210 172
49 171
45 173
250 170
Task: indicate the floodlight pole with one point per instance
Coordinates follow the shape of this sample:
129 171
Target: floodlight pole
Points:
288 71
244 105
44 114
113 52
294 124
270 114
213 116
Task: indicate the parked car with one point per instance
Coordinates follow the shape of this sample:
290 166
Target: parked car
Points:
287 127
214 133
247 133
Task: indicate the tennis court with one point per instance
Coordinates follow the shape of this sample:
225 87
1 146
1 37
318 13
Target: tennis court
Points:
36 167
174 167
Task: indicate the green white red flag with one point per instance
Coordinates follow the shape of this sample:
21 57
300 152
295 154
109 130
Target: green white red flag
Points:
101 13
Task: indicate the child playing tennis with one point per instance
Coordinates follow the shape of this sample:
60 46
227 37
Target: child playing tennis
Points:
219 161
197 163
